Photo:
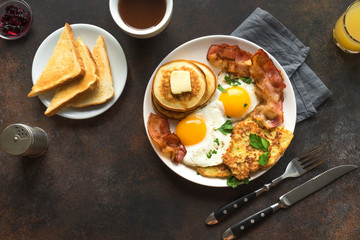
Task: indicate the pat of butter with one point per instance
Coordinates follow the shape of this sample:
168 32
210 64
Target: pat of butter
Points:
180 82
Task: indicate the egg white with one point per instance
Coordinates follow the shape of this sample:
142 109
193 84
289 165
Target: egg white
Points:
208 152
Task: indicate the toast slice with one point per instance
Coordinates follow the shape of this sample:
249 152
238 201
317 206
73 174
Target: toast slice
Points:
63 66
103 89
67 92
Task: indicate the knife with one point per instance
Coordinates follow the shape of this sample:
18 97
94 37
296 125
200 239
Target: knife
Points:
289 199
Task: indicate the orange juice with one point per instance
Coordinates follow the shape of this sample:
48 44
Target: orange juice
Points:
346 32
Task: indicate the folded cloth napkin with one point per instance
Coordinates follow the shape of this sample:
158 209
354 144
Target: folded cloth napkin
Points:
266 31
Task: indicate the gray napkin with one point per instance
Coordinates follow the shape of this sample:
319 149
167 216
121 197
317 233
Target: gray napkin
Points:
266 31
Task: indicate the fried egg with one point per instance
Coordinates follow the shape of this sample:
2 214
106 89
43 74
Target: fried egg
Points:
238 99
203 142
199 131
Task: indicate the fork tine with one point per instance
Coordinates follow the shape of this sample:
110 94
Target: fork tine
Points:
311 158
311 151
314 162
311 154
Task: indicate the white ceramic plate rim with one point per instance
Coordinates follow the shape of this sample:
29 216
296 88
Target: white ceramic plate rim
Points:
196 50
89 34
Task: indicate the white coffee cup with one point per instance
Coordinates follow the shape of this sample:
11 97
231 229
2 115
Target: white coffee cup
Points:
141 33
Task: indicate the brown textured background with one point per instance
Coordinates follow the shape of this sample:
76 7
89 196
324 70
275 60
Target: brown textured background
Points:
101 179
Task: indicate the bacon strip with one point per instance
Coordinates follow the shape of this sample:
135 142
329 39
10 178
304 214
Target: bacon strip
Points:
230 58
159 131
271 86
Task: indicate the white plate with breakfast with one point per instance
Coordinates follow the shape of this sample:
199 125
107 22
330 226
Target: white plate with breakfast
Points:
209 156
114 56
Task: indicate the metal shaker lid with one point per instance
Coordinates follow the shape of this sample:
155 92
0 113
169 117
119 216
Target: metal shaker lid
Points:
16 139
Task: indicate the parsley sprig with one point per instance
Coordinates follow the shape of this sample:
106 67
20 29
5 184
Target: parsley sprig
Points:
260 143
210 153
246 80
221 89
233 182
226 128
232 80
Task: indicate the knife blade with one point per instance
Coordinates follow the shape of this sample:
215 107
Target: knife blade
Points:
289 198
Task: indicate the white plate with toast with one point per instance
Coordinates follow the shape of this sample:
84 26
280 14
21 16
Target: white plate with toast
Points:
89 34
196 50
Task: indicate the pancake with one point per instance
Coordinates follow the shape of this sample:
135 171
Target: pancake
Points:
242 158
210 82
182 102
168 113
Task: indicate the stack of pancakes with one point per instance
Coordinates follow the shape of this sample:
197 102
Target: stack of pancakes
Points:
178 106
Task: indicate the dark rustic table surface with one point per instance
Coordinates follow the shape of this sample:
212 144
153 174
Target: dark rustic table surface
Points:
101 179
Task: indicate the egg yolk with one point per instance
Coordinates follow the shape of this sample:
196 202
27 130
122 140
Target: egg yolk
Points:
236 101
191 130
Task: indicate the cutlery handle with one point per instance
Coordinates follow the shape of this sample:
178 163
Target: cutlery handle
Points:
221 213
229 208
237 229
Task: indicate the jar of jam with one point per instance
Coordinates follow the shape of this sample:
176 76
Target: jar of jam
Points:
15 19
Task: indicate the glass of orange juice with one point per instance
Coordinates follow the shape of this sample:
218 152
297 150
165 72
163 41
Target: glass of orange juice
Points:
346 32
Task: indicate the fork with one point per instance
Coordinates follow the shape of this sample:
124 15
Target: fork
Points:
296 167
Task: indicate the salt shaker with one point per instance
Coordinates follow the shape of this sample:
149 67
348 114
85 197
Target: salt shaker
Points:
22 140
